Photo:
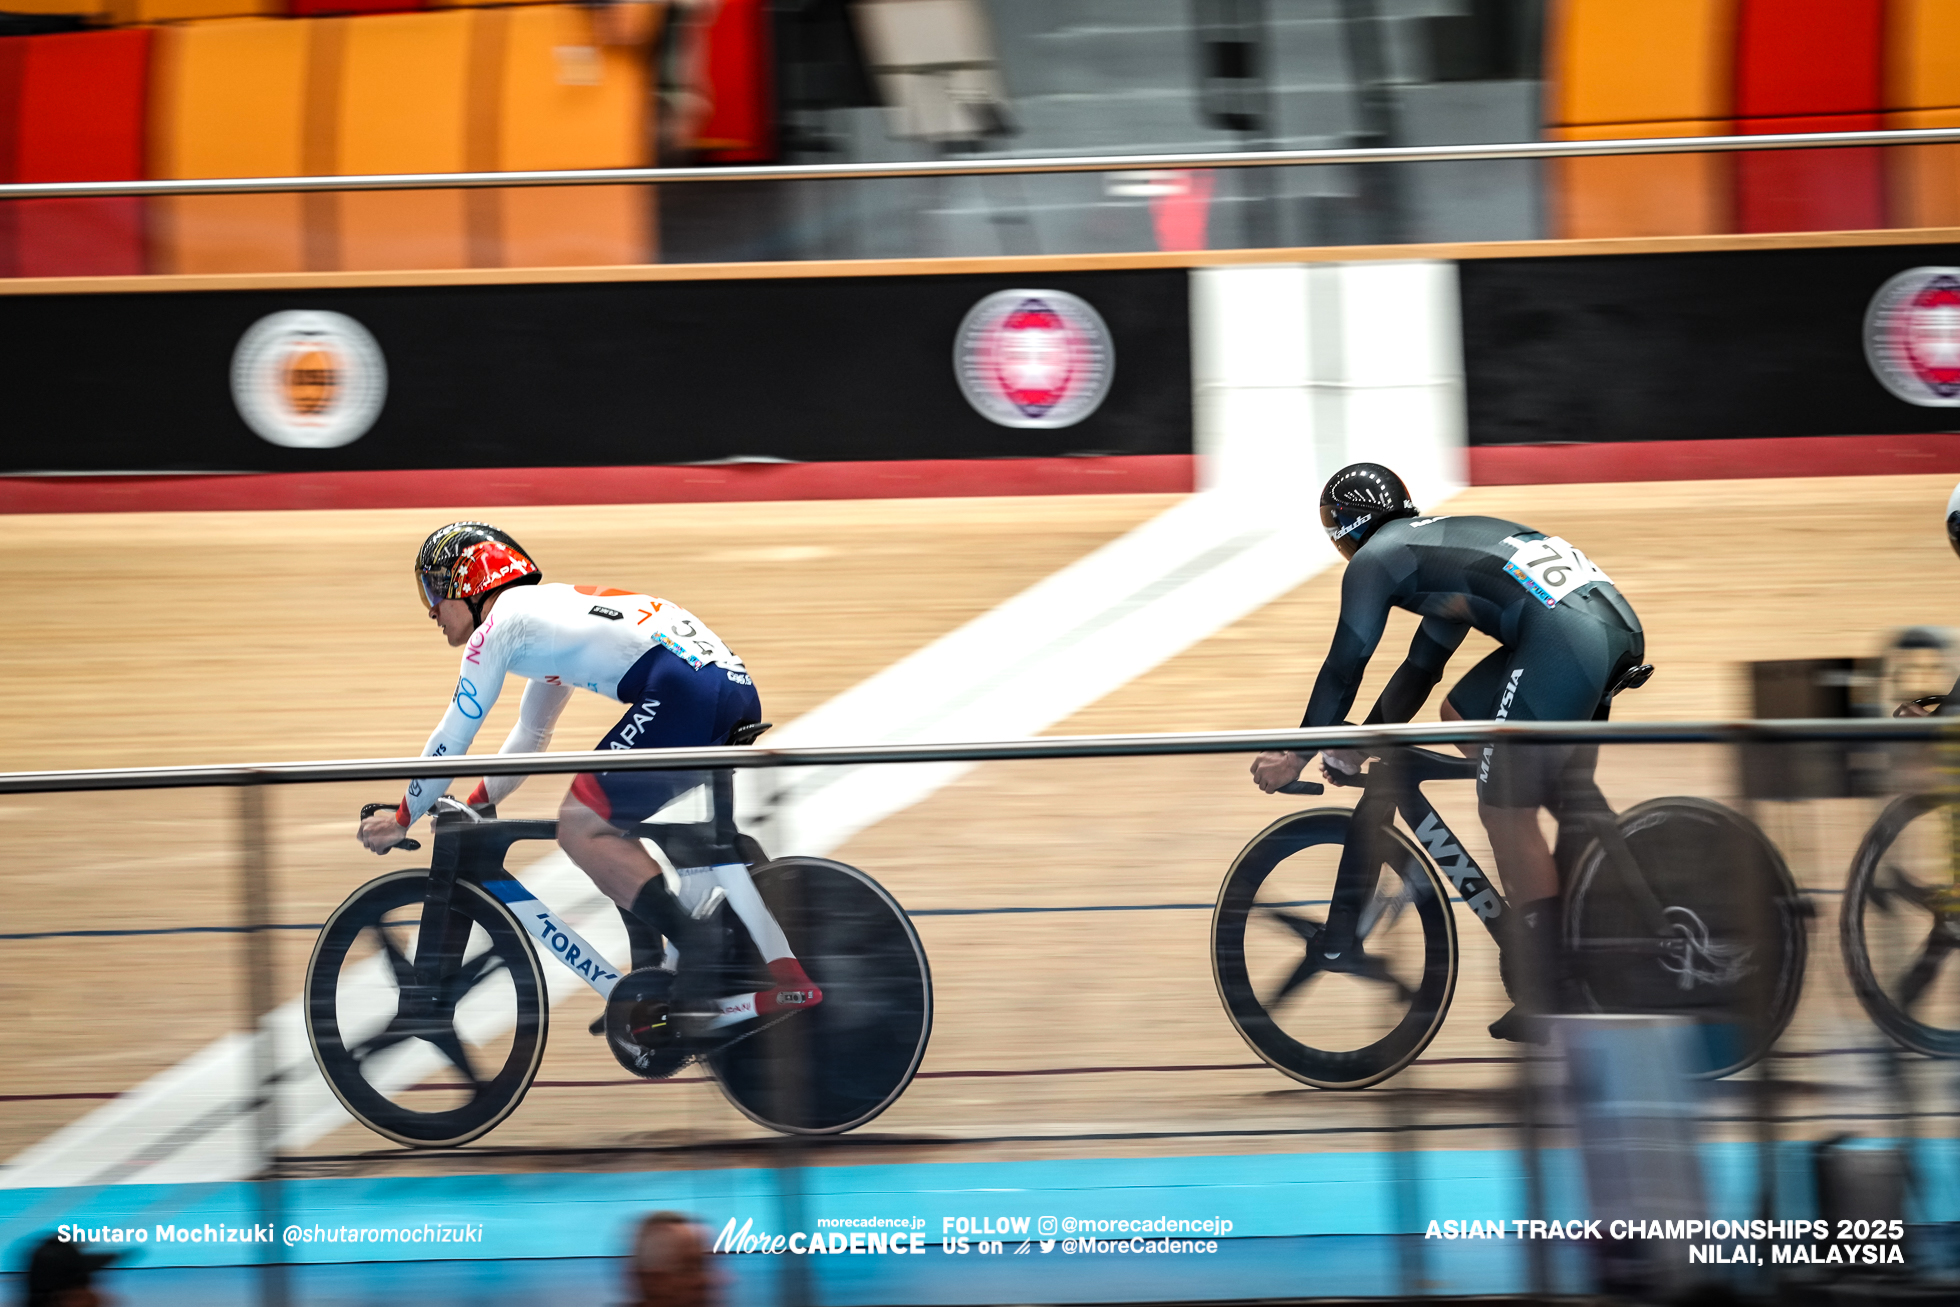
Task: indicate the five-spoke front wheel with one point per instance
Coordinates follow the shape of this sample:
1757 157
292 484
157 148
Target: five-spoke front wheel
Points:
1900 924
430 1056
1354 1018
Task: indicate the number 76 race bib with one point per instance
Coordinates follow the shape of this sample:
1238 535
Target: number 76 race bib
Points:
1551 568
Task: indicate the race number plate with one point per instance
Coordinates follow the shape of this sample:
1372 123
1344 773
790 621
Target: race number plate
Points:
684 633
1551 568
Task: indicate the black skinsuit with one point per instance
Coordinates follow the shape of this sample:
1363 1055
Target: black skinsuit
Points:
1555 664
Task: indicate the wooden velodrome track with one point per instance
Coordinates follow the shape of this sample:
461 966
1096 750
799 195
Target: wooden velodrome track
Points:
180 638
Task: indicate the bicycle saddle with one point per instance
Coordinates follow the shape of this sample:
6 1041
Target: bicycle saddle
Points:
745 733
1631 679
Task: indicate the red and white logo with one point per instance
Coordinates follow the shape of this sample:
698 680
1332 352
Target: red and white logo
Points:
1034 358
1912 336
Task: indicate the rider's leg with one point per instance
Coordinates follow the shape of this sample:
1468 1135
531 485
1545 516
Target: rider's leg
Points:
1524 860
1449 713
679 706
1545 680
1567 657
617 863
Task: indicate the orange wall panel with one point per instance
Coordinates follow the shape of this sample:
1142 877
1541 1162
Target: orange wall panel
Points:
1611 61
576 226
1923 181
127 13
55 7
228 99
404 106
566 102
1922 39
1640 195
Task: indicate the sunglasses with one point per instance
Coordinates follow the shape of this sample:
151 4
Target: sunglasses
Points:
435 584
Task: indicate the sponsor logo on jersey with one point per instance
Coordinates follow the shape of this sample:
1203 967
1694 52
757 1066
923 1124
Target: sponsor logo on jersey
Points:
610 614
307 379
1034 358
1912 336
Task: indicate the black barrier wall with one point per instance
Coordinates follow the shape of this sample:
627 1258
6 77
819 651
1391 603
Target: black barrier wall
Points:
583 375
1722 345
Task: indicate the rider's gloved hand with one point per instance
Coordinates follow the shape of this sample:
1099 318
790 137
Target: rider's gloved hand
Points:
381 832
1277 768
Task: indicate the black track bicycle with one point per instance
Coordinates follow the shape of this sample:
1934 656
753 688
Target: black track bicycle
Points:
427 1008
1334 945
1899 920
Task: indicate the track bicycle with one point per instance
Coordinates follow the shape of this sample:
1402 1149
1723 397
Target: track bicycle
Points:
1335 950
1899 919
427 1009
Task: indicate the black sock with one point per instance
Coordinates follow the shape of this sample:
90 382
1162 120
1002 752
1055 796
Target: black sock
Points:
1529 963
644 940
656 906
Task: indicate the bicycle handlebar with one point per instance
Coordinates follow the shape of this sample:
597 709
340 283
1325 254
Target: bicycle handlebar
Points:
405 844
1303 787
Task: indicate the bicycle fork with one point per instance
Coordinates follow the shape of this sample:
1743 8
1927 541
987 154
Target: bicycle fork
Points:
1362 854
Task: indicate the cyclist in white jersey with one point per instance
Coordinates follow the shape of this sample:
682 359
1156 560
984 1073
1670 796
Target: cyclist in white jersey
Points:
683 686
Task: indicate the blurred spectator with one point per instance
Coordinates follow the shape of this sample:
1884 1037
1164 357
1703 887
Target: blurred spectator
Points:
671 1265
62 1274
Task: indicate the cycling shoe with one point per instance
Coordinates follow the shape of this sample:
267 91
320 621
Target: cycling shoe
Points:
640 1028
704 1018
1520 1027
791 990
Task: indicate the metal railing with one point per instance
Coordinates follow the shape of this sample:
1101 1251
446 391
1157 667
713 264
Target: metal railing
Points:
1059 746
1397 1115
992 166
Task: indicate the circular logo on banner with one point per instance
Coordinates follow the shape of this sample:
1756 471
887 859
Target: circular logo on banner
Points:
308 380
1034 358
1912 336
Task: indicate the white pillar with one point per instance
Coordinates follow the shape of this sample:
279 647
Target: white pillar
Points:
1300 369
1250 379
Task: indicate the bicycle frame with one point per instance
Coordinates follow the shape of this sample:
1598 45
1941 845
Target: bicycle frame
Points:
1394 784
474 848
469 845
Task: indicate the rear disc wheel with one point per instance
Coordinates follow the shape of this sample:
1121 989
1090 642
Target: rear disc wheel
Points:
831 1068
1728 949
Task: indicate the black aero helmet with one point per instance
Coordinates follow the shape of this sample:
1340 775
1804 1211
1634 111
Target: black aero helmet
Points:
1358 499
1953 519
468 561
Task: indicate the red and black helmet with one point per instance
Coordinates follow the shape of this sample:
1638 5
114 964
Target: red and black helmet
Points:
469 561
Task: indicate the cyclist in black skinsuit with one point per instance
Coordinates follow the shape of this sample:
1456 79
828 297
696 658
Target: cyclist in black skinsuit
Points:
1566 637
